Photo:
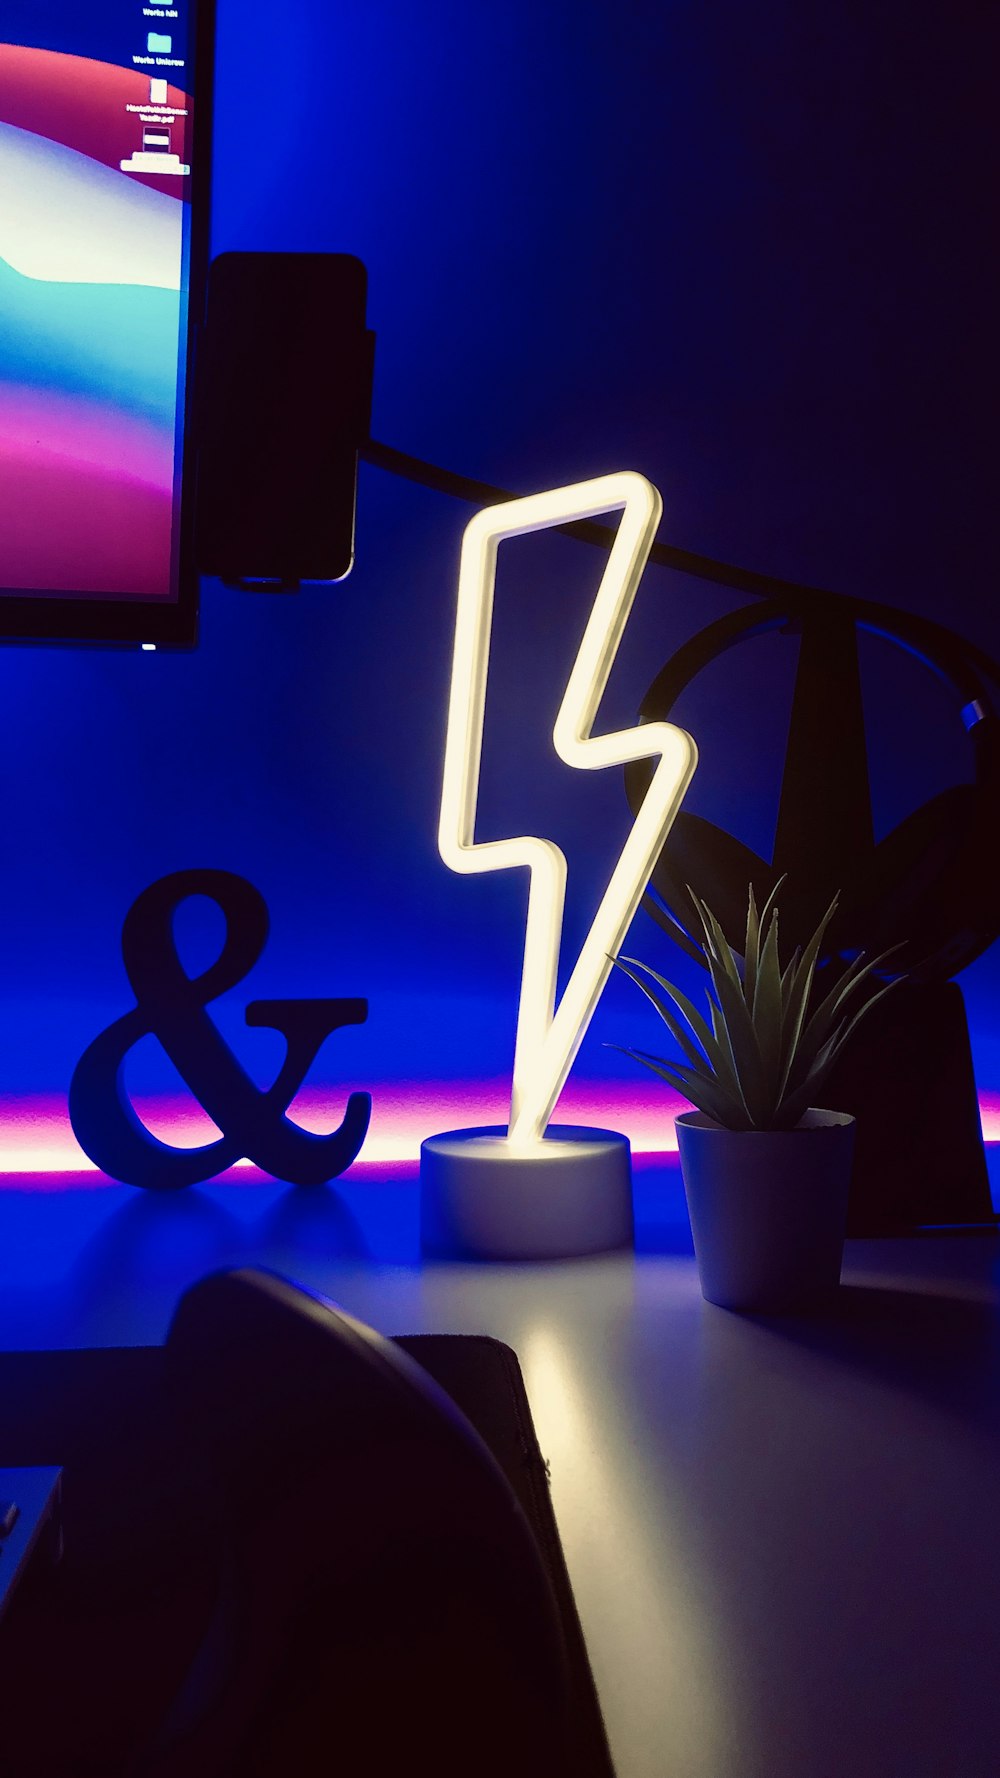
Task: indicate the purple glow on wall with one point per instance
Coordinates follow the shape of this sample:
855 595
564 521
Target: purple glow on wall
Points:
37 1143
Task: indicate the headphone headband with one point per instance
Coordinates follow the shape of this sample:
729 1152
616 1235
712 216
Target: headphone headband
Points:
926 880
940 650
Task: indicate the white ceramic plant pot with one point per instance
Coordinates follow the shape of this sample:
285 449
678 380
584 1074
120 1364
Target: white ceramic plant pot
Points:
768 1208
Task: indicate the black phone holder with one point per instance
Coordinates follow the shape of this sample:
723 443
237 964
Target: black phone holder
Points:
283 396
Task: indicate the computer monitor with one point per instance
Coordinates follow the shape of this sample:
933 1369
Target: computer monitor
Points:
105 137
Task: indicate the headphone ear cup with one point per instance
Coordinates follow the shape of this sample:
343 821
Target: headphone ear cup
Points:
921 890
700 856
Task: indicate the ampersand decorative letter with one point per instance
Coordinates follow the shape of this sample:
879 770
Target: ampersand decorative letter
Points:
171 1005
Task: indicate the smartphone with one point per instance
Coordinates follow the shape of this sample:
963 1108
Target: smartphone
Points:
283 405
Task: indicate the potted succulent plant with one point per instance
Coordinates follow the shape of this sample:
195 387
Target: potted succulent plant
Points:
766 1172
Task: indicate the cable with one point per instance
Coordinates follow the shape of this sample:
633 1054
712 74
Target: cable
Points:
792 596
463 487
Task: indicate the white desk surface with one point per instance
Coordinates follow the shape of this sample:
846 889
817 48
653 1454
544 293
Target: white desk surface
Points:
783 1535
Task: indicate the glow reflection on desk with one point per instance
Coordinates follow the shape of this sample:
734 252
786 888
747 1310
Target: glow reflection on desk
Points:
635 1568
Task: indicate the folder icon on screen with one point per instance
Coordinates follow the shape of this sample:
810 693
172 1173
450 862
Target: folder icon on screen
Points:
156 42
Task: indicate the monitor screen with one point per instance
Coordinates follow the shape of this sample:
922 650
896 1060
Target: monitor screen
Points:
104 182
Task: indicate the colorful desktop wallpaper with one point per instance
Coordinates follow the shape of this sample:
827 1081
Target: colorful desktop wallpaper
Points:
93 225
737 249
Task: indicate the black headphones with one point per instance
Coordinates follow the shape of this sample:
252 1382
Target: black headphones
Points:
931 887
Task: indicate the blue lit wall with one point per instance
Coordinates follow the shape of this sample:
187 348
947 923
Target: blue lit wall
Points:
740 249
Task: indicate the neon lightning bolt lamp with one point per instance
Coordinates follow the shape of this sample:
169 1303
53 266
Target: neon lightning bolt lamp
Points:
524 1192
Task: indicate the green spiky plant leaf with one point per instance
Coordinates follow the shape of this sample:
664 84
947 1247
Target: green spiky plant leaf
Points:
763 1055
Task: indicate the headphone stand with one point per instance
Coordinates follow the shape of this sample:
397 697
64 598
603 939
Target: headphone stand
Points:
907 1076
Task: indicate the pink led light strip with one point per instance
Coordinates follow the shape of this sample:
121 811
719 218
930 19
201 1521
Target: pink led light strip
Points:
36 1139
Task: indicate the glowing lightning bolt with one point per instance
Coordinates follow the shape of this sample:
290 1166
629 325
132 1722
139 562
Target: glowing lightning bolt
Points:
548 1038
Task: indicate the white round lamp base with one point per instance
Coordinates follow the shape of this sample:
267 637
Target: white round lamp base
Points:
481 1198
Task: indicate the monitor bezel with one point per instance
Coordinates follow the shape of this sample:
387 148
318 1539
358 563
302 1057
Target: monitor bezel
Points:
134 620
